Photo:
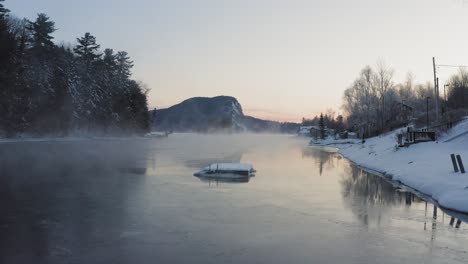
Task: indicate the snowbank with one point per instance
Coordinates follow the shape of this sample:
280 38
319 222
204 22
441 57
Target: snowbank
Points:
426 167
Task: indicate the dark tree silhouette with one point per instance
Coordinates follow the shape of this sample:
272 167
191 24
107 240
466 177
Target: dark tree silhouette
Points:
123 64
87 49
3 10
53 90
322 126
41 31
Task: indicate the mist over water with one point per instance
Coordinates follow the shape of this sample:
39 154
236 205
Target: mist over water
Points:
137 201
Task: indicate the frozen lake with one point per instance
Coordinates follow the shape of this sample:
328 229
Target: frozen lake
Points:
136 201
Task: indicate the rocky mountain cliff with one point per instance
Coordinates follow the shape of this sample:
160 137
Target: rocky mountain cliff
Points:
220 113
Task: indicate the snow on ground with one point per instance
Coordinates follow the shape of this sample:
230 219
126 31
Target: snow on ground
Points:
457 133
426 167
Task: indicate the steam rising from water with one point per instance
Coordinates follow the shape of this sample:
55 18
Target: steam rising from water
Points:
136 201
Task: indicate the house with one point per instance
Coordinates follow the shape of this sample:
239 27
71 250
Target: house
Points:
404 112
315 132
304 131
347 134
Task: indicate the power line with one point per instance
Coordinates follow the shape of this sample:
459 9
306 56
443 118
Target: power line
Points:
455 66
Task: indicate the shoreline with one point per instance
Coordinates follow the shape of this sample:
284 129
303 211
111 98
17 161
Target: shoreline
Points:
425 168
389 178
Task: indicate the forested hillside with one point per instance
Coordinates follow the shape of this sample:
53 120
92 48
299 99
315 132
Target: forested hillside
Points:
60 90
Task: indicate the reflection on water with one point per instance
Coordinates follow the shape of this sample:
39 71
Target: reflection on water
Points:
58 196
323 157
371 198
217 181
136 201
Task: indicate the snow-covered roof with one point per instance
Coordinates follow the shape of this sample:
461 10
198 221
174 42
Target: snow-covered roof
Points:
230 167
306 129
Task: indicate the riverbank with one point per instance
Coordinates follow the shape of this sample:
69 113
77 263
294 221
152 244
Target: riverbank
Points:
425 167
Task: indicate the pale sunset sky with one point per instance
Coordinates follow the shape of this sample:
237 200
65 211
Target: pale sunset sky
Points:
283 60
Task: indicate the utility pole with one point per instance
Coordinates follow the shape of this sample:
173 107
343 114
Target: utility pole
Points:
427 113
445 98
437 99
436 92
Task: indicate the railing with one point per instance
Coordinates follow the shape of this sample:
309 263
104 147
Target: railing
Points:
413 137
423 136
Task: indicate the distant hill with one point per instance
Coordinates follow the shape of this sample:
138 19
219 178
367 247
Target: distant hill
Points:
220 113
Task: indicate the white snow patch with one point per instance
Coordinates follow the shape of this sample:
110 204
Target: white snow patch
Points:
230 167
426 167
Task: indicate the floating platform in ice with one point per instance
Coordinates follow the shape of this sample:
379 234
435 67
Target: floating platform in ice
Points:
227 171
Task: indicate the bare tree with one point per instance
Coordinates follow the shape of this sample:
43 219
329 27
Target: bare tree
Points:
367 74
383 81
458 90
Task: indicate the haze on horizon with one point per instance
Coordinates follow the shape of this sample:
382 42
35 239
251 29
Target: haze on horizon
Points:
283 60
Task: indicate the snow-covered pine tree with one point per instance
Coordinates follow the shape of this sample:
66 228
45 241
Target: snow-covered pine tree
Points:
41 30
47 89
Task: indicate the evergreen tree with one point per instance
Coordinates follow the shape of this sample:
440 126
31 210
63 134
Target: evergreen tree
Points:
87 49
7 75
109 60
3 10
322 126
51 90
41 30
124 65
6 39
137 115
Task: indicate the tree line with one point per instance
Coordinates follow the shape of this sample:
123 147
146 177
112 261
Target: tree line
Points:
328 120
374 103
60 90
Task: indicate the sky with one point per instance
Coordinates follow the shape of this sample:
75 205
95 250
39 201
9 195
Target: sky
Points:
283 60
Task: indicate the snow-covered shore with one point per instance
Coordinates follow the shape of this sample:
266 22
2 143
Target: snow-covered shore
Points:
425 167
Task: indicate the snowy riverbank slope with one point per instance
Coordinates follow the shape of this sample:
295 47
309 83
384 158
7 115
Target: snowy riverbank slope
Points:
425 167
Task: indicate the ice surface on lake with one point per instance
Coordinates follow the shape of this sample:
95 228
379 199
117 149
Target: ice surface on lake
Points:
80 202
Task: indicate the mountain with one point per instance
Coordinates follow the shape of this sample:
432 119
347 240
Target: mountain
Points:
220 113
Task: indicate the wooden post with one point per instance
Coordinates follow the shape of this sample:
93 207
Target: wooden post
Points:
460 164
454 162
